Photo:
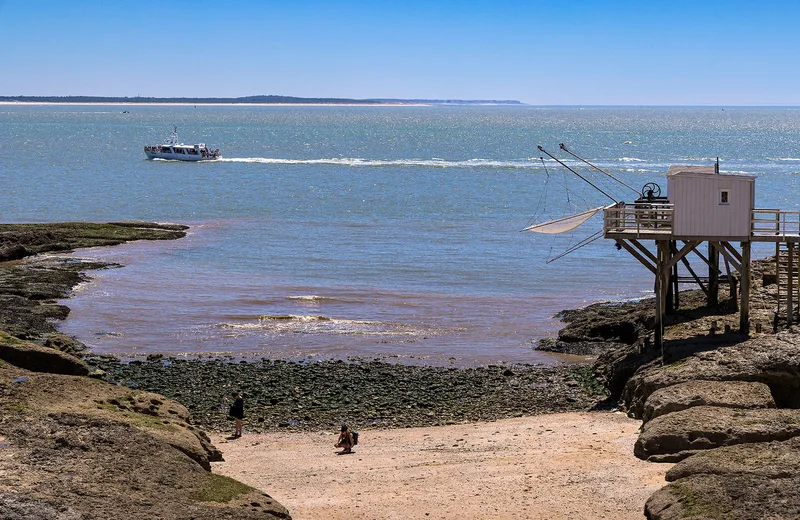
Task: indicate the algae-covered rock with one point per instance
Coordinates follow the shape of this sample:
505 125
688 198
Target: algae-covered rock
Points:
726 497
28 288
82 447
772 360
705 427
20 240
731 394
65 343
766 459
577 348
36 358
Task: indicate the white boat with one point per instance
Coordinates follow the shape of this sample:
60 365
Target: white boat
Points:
175 150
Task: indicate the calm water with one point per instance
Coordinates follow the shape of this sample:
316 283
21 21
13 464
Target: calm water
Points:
360 231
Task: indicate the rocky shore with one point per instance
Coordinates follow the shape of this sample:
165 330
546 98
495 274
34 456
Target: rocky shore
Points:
722 404
71 438
279 394
321 395
77 448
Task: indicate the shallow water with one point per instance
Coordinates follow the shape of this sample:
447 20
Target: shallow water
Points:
361 231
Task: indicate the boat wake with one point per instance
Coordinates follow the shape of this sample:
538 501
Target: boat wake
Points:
427 163
528 163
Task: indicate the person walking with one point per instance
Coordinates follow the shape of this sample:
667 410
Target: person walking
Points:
237 412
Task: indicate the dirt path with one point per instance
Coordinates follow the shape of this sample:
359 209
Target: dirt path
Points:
560 466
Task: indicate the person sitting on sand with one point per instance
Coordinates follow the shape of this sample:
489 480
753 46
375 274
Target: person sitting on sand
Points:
345 440
237 412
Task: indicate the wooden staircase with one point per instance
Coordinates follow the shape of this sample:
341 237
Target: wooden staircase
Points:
787 255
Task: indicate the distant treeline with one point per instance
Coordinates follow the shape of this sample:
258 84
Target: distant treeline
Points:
249 99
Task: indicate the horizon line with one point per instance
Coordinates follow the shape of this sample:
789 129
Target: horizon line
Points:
262 99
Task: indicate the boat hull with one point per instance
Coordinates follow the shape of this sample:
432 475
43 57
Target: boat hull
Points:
178 157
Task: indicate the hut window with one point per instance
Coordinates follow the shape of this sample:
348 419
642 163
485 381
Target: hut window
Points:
724 196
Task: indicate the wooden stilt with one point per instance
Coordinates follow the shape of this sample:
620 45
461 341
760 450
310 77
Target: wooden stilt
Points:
669 293
732 286
730 258
713 275
744 315
697 279
673 247
732 251
646 261
660 290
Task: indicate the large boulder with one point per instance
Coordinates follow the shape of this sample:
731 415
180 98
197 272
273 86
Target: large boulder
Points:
726 497
677 435
772 360
576 348
728 394
77 448
36 358
766 459
64 343
161 417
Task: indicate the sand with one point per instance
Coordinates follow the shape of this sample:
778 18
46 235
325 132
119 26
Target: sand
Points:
559 466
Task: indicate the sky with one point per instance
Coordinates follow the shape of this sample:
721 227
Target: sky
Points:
556 52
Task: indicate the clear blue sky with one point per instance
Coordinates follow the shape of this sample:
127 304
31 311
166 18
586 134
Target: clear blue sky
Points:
540 52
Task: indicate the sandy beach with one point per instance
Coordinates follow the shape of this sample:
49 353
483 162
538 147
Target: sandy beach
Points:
557 466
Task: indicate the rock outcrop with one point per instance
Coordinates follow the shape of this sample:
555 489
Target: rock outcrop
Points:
36 358
65 343
726 394
677 435
75 448
765 459
79 448
28 289
20 240
770 359
726 497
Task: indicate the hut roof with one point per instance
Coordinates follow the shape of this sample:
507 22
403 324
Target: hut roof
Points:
680 169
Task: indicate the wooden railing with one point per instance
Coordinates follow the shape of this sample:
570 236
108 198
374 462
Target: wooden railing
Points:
638 218
775 223
656 218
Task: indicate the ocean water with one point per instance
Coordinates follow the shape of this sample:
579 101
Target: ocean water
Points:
333 232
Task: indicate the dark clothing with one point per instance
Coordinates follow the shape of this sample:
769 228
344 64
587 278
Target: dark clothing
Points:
237 409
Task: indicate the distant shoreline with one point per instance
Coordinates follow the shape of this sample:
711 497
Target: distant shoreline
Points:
128 104
246 101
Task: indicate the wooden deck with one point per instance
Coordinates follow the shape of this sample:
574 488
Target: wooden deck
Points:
654 222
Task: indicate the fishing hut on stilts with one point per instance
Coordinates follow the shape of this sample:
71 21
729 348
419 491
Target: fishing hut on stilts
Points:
704 214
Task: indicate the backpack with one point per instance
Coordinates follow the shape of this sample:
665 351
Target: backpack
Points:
355 437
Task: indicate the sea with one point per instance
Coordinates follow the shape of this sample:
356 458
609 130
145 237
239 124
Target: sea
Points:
371 232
